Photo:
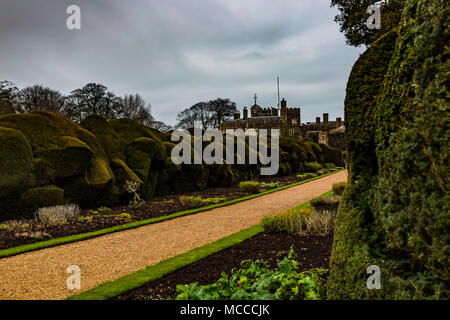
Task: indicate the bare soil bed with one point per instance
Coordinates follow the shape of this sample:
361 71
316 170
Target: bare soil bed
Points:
312 251
26 231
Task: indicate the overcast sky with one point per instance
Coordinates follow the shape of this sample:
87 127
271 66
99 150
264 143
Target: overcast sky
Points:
176 53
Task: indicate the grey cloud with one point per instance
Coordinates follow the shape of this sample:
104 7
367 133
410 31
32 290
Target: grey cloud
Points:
178 52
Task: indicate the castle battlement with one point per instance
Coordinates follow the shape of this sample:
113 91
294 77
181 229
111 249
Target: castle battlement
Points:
287 120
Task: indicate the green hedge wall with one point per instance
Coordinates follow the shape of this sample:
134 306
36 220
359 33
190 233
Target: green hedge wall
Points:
395 212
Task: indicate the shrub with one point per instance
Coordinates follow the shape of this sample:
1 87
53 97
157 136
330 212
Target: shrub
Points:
255 281
291 221
329 165
57 215
194 202
325 200
313 166
269 184
190 201
125 216
338 188
320 223
250 186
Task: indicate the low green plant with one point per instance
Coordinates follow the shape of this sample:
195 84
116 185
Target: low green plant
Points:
329 165
125 215
4 227
270 184
214 200
250 186
313 166
256 281
190 201
104 209
193 202
326 200
338 188
291 221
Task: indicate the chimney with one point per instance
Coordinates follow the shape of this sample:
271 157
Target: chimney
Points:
325 118
338 122
245 113
283 104
317 120
237 115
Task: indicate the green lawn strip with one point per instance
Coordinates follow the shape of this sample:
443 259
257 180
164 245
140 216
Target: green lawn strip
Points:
134 280
84 236
114 288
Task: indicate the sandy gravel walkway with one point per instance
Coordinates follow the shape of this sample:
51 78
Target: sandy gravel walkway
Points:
42 274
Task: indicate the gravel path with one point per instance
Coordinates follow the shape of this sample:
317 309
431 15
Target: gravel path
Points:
42 274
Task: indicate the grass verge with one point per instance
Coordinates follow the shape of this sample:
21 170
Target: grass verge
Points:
134 280
84 236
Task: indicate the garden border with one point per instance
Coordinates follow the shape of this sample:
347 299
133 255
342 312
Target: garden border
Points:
89 235
136 279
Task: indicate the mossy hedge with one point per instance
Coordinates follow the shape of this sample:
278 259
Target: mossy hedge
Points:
395 210
48 160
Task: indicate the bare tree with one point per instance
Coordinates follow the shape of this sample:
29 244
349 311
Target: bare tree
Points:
198 112
8 97
135 108
93 98
39 97
221 109
160 126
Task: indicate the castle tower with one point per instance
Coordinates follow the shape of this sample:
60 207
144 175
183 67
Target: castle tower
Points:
284 111
325 118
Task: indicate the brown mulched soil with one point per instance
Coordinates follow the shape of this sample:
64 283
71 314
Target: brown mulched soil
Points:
312 251
157 207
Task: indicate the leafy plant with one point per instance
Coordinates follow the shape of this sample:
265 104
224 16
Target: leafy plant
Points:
192 202
338 188
313 166
125 216
329 165
250 186
256 281
270 184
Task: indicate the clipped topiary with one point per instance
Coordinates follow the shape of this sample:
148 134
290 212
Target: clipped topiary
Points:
395 208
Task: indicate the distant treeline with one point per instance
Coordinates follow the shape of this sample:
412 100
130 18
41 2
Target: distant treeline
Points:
96 99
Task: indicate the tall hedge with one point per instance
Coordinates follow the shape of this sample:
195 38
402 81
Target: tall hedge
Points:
395 212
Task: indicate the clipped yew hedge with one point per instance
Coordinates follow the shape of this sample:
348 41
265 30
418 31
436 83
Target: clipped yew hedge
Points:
395 209
48 160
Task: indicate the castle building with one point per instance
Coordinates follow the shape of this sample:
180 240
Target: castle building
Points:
288 122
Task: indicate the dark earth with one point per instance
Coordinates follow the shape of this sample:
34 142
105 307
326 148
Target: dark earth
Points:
312 251
157 207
